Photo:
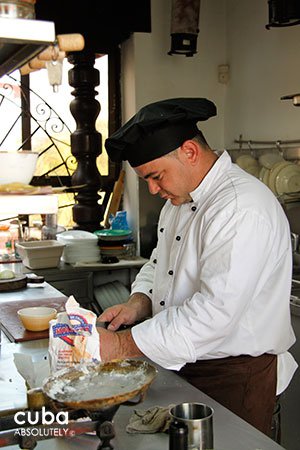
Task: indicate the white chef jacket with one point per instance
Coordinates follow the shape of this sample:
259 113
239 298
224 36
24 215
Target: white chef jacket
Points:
220 276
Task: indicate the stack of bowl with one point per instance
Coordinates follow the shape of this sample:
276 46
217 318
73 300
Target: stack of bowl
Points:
80 246
113 242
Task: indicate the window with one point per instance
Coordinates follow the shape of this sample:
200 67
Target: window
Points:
60 102
37 118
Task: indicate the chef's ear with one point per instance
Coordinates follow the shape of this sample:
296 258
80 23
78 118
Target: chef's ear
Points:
190 150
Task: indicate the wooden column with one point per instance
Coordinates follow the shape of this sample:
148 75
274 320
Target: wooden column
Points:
86 141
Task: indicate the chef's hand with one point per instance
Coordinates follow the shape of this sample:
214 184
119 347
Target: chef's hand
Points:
118 345
138 307
118 315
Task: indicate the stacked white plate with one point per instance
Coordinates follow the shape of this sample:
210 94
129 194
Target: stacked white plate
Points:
281 176
80 246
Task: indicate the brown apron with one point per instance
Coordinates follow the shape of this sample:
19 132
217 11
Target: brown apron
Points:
244 384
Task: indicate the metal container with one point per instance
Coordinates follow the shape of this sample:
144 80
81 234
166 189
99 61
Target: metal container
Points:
295 242
178 436
199 419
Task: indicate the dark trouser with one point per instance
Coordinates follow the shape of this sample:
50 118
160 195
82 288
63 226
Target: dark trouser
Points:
244 384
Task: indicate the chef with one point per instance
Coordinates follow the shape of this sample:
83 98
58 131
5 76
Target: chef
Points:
213 301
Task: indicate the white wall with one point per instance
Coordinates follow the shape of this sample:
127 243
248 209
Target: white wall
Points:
159 75
264 65
150 74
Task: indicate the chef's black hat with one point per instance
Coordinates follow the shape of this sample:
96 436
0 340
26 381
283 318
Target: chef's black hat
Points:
158 129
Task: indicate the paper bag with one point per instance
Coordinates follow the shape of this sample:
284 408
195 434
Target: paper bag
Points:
73 337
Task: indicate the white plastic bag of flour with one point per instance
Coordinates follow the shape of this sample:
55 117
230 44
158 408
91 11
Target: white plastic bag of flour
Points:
73 337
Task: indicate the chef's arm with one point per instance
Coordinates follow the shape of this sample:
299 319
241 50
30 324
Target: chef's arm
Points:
117 345
137 308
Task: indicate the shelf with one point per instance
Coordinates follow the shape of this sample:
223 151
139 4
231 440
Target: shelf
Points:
21 40
12 205
121 264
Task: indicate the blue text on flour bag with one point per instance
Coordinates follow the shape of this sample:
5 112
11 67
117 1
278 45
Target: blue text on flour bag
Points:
73 337
65 332
82 326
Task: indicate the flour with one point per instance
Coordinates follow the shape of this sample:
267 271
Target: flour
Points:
96 384
97 387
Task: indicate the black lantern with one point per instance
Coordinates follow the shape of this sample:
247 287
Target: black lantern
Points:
184 27
283 13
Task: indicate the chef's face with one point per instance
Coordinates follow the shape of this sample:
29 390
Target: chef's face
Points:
169 177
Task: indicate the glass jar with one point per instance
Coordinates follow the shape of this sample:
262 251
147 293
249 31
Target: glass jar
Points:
49 230
15 236
17 9
5 241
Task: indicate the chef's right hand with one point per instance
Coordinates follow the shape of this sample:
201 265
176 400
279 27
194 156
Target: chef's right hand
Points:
118 315
137 308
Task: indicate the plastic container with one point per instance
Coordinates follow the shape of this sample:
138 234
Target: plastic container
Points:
40 254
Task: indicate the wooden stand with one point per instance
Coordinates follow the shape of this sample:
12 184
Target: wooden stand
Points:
86 141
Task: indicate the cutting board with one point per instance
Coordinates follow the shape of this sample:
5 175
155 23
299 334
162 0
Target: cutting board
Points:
12 326
20 282
13 284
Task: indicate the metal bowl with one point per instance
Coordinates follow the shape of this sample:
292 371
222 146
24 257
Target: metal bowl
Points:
96 386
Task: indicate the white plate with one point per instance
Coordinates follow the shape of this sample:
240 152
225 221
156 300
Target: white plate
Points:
81 247
269 159
253 170
246 161
262 173
274 172
70 251
77 236
73 260
288 180
266 176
